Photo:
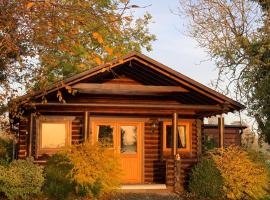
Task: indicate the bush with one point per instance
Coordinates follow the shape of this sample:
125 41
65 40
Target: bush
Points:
6 150
21 179
58 183
95 169
243 177
206 180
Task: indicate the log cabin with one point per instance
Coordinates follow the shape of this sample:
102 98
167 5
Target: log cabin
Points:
151 114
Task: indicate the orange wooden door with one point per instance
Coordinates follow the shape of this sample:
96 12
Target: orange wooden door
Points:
130 148
126 139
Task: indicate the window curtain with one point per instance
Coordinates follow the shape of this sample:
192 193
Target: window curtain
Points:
181 136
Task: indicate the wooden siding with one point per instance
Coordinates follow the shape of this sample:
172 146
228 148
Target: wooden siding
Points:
158 166
154 167
77 135
23 138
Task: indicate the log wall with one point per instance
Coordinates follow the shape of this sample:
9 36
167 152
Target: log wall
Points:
23 138
158 166
77 135
154 167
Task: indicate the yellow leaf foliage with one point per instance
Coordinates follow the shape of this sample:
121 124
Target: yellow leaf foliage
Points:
29 5
243 178
98 60
98 37
94 162
108 50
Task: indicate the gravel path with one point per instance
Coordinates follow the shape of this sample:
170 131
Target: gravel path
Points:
143 196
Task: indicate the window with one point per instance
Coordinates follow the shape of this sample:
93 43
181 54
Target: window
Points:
49 138
128 139
183 135
105 134
53 134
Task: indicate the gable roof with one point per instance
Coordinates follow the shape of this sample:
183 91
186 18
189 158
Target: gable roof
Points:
148 63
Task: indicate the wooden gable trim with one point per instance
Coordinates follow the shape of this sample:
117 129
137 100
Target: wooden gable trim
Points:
126 89
152 106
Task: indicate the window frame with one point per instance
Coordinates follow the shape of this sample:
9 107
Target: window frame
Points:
95 133
53 120
188 136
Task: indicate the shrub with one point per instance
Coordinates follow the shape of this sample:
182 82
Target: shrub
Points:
6 149
206 180
95 169
242 177
21 179
58 183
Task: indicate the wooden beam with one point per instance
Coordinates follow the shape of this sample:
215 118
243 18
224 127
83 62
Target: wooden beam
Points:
174 129
86 125
115 111
199 136
30 135
150 106
221 131
126 89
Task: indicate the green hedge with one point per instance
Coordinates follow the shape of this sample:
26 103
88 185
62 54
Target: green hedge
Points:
58 183
206 180
21 179
6 150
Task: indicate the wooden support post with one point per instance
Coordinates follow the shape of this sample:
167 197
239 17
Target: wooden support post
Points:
199 136
174 133
221 131
178 186
30 135
86 125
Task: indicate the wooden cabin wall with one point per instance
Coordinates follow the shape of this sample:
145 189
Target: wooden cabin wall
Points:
154 166
77 135
155 161
23 138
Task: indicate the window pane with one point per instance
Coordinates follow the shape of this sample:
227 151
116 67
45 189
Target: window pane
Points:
105 134
181 140
53 135
128 139
169 136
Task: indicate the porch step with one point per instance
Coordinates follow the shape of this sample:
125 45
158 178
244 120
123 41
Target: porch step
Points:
144 187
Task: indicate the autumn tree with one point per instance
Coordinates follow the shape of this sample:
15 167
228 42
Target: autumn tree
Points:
236 35
48 40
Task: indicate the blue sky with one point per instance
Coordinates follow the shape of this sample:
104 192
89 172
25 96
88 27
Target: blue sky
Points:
174 48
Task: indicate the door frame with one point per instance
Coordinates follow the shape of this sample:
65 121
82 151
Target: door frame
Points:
115 119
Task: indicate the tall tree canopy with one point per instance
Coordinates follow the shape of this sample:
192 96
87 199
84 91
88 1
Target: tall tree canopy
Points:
236 34
47 40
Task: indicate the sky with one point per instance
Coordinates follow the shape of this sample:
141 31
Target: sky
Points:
173 47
